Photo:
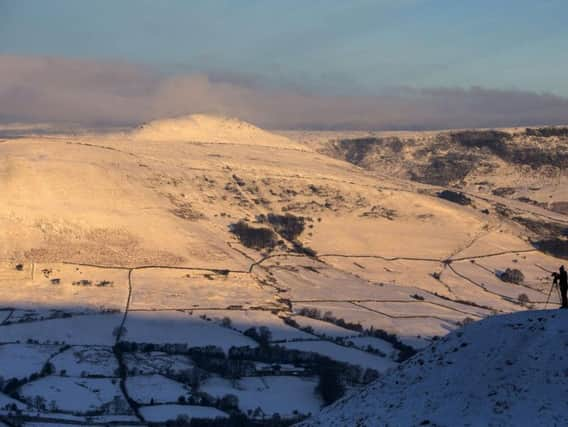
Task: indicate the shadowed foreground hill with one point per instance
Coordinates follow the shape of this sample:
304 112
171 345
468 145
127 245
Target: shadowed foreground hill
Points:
505 370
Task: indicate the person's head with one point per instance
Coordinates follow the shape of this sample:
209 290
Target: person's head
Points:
561 268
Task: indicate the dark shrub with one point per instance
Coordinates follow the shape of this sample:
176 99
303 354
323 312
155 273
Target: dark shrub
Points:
356 150
493 140
547 132
455 196
512 275
254 237
330 386
288 226
445 169
306 250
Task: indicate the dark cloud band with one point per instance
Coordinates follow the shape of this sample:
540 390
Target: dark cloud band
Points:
43 89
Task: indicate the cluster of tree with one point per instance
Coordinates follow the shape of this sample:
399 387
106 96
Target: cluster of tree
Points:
235 420
254 237
288 226
241 361
11 386
330 386
262 336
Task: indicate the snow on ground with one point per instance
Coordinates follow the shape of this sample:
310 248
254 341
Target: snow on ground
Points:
323 282
468 310
86 361
56 286
507 370
8 401
414 332
343 354
397 272
5 314
162 413
535 266
150 389
364 343
467 291
73 394
413 308
182 328
488 278
241 320
77 330
157 363
22 360
214 130
279 394
196 289
322 328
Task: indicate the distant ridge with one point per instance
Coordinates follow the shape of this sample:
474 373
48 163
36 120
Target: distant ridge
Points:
212 129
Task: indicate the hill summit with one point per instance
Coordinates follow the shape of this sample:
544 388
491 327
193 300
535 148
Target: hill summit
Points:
504 370
212 129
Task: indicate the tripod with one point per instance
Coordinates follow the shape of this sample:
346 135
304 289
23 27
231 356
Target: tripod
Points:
554 284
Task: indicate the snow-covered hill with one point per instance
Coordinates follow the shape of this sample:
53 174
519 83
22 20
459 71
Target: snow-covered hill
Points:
212 129
509 370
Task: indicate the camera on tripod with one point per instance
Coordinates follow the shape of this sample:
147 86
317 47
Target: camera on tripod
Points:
555 278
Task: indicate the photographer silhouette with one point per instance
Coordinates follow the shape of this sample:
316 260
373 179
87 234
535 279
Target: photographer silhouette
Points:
561 279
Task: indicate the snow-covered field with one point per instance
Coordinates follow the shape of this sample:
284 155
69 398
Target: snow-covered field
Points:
189 289
73 394
6 401
282 395
80 361
325 329
150 389
349 355
181 327
94 329
23 360
157 362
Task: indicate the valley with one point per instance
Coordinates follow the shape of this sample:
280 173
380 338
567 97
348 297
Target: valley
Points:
202 268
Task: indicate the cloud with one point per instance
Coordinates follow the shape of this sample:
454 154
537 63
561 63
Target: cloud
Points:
91 93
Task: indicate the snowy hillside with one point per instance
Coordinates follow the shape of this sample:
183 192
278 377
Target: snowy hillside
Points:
504 370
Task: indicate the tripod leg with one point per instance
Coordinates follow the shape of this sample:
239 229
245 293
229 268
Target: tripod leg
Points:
548 299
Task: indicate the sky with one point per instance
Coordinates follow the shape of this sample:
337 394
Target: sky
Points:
364 54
